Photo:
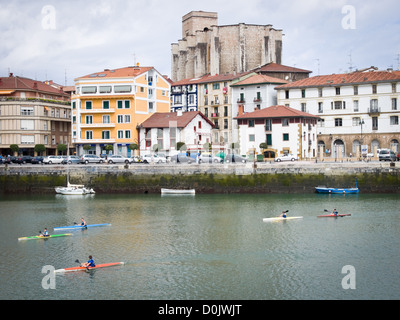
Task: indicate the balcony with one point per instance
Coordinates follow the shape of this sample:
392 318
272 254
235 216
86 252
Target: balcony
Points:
257 99
97 110
214 115
374 111
241 100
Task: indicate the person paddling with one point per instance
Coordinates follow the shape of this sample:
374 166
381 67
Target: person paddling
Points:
335 212
45 233
83 223
283 215
88 264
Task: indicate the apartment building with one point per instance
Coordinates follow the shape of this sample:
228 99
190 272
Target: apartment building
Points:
109 106
284 130
359 111
31 113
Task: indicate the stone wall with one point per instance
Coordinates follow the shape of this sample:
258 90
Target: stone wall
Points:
298 177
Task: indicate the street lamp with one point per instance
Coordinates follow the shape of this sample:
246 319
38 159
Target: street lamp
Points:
361 122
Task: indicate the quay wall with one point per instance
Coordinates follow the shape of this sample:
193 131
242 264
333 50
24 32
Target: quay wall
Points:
297 177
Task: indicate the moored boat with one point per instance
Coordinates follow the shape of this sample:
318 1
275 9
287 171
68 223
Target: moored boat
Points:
177 191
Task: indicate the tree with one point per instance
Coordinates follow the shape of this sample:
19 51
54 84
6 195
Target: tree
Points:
61 148
87 147
181 146
40 148
14 148
263 145
109 147
133 146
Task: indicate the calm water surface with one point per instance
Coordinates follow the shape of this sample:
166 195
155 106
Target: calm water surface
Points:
203 247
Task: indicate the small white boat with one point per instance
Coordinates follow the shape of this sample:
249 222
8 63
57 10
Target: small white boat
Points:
280 219
178 191
74 189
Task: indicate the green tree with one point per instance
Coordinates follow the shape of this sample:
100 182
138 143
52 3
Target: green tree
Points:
14 148
181 146
40 148
61 148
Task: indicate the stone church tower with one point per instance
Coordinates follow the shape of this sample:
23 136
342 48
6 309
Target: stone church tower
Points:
206 48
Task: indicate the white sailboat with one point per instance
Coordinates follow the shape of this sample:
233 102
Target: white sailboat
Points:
73 189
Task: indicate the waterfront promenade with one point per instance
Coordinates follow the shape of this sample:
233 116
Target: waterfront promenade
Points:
259 177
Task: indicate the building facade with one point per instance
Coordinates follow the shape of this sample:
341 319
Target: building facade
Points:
161 132
284 131
359 111
206 48
32 113
109 106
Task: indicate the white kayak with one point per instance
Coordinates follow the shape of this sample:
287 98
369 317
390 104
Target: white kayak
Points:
280 219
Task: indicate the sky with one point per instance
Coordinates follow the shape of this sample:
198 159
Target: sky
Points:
61 40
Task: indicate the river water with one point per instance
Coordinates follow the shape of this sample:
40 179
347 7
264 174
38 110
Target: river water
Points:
212 247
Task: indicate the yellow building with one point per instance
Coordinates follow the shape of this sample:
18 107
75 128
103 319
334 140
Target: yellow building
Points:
109 106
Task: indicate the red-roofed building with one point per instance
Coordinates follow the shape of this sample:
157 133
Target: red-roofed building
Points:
162 131
359 111
33 112
285 130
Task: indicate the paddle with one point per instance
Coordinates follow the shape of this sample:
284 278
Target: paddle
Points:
77 261
332 213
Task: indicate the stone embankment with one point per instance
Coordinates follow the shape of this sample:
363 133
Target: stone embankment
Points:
293 177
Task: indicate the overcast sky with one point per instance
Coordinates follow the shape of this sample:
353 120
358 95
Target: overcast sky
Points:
62 40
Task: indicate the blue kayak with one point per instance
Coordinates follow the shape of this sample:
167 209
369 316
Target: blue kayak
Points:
79 227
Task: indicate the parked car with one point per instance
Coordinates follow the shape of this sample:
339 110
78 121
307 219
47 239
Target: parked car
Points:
181 158
234 158
37 160
156 158
387 155
286 157
136 159
398 156
71 159
87 158
115 158
23 159
52 159
209 158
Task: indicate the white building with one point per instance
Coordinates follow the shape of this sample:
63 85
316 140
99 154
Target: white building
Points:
357 108
283 129
162 131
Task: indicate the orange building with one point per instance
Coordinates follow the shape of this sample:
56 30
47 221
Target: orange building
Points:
109 106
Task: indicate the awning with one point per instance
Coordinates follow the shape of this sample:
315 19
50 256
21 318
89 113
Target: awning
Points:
6 91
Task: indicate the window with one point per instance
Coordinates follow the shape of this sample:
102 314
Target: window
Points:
338 105
355 88
374 105
27 139
206 112
268 125
338 122
320 92
251 123
320 107
89 135
122 89
106 119
303 93
355 105
226 123
172 137
286 137
225 111
251 138
374 88
337 89
303 107
127 104
105 135
356 121
88 119
120 134
394 103
88 105
199 124
120 118
106 104
393 87
394 120
216 86
374 123
268 139
105 89
286 94
127 118
119 104
87 90
27 111
127 134
160 138
285 122
27 125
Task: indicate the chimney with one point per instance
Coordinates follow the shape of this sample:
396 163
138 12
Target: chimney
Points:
240 110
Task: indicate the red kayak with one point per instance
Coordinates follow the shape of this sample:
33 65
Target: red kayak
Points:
332 215
103 265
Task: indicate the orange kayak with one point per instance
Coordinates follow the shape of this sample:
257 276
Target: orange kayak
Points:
103 265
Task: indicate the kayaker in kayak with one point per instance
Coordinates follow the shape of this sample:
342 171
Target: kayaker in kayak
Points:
90 263
283 215
335 212
45 233
83 223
